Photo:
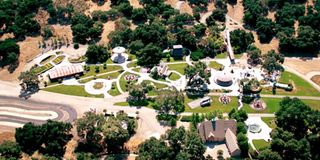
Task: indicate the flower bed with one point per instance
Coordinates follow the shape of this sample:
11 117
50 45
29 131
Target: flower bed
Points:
43 68
59 59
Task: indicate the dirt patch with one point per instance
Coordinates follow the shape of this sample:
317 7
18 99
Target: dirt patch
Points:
6 35
135 4
236 11
272 15
172 3
71 145
78 5
6 134
296 28
28 50
93 6
42 17
265 47
62 31
185 8
303 66
133 144
107 29
316 79
211 7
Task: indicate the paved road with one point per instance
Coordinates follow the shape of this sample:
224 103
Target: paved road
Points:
65 112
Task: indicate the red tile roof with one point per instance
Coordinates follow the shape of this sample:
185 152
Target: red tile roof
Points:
65 71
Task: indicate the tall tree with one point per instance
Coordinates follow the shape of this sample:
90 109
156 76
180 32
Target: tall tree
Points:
97 54
150 55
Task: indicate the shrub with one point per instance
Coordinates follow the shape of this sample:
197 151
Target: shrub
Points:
195 56
186 119
97 69
76 46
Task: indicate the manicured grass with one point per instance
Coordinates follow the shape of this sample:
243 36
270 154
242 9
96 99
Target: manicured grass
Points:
132 64
157 85
123 82
77 60
47 59
115 90
215 65
59 59
121 104
222 55
238 56
215 105
260 144
171 59
136 69
273 105
300 86
174 76
71 90
109 68
109 61
178 67
113 75
270 121
43 68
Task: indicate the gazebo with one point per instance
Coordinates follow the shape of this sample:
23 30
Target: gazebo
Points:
119 55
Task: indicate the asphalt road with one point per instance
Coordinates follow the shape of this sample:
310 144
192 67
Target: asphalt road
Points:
65 112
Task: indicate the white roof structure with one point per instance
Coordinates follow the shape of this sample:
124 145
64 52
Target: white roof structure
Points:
177 46
118 50
224 77
65 71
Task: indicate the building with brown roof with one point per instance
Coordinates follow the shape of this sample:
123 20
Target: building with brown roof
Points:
221 131
65 71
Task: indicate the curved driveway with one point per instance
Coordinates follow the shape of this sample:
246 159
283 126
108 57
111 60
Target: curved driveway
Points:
64 112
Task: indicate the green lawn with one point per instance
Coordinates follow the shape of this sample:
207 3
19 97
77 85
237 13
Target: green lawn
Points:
59 59
178 67
71 90
113 75
270 121
215 65
260 144
132 64
115 91
171 59
174 76
93 72
215 105
123 82
121 104
301 87
136 69
222 55
273 105
157 85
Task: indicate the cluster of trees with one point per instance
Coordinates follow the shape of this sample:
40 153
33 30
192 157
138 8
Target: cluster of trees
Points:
240 40
9 52
29 82
177 143
48 139
272 61
99 134
96 54
84 29
297 132
241 116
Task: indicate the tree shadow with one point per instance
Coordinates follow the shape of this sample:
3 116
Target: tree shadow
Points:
27 92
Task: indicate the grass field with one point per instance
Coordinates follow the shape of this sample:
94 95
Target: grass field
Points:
178 67
215 65
43 68
132 64
115 91
59 59
301 87
93 72
215 105
270 121
71 90
47 59
123 82
260 144
273 105
222 55
174 76
157 85
113 75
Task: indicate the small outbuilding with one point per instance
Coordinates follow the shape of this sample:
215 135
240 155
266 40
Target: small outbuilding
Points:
177 51
224 79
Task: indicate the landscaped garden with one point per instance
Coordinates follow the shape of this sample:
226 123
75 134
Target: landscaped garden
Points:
215 105
47 59
270 121
178 67
74 90
99 69
43 68
260 144
174 76
215 65
114 91
112 75
124 83
59 59
300 86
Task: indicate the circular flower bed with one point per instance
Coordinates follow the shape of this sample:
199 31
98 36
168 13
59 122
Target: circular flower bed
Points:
130 77
254 128
258 105
98 85
224 99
